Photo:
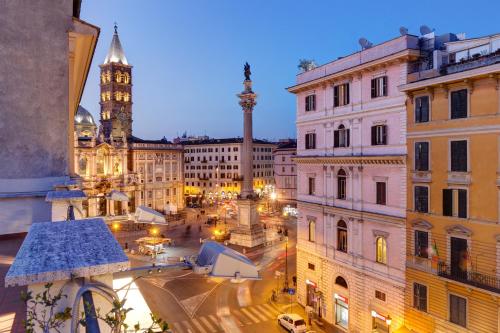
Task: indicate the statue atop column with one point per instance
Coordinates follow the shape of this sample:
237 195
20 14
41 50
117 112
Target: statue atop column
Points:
247 72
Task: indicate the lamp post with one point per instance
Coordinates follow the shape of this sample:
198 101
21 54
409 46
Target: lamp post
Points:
273 198
154 231
286 264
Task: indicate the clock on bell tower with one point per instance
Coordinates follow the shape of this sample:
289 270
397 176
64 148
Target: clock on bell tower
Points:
116 92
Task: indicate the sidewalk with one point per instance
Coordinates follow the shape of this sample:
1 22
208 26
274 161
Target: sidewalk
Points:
12 309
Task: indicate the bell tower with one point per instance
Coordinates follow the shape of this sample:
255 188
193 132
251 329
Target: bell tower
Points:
116 92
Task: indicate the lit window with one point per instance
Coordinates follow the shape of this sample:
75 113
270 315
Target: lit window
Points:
381 250
312 231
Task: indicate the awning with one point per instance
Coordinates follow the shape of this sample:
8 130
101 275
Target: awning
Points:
148 215
118 196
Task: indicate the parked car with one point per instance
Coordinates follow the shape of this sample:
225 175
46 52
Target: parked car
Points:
292 322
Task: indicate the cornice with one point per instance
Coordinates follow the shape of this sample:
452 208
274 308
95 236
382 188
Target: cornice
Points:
343 160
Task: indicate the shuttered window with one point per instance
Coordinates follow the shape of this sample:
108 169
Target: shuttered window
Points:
311 103
310 141
311 185
381 193
458 310
379 87
458 152
341 137
422 109
421 244
379 135
341 95
420 296
421 199
422 156
459 104
448 202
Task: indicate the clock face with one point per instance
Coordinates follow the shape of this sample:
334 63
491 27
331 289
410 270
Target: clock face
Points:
122 116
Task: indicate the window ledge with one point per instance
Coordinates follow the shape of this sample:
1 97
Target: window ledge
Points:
421 176
461 178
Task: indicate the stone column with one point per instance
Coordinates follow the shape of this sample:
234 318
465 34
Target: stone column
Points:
247 102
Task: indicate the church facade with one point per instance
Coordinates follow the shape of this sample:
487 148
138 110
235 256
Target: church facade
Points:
119 171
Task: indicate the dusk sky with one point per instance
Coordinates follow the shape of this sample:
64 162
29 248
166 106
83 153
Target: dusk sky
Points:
188 56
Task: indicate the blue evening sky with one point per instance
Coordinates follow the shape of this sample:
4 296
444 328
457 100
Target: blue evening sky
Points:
188 56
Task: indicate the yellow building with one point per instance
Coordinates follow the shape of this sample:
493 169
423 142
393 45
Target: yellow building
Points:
453 232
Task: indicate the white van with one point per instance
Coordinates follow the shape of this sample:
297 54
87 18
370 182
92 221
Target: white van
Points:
292 322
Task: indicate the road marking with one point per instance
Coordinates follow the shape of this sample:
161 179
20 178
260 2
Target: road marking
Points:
198 325
257 313
207 324
189 328
249 315
265 311
178 327
215 320
271 309
244 320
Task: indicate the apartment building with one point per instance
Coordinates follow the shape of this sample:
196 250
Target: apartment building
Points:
285 171
351 187
453 233
212 167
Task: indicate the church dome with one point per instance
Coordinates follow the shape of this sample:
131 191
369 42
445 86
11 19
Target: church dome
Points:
83 117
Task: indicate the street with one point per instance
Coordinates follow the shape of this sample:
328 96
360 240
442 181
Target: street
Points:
192 303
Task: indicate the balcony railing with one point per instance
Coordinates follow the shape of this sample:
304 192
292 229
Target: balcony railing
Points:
474 61
479 280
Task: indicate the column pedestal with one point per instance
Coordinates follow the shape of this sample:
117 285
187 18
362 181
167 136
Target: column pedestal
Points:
248 232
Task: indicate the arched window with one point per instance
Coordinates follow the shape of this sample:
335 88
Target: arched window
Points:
312 230
341 282
342 236
381 249
341 184
118 76
126 77
341 137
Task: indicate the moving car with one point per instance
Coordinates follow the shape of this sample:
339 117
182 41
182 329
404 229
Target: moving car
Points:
292 322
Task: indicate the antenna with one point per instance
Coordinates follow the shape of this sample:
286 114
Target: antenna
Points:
424 30
365 44
403 31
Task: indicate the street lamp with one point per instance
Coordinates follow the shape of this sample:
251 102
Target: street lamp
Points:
286 264
154 232
273 198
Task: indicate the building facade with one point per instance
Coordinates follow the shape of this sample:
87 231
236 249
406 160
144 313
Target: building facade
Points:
112 162
285 171
453 233
213 167
46 56
351 187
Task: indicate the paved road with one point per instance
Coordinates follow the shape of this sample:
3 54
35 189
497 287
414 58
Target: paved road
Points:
195 304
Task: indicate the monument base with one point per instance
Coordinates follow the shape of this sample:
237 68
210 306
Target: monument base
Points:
249 231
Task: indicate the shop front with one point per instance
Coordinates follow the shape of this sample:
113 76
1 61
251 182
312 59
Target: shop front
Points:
341 311
313 297
381 323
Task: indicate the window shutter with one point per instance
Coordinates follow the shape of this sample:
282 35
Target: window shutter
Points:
447 202
462 96
384 80
307 103
374 88
307 141
336 96
425 156
313 140
425 109
384 134
347 137
313 102
335 138
462 203
459 156
374 135
346 94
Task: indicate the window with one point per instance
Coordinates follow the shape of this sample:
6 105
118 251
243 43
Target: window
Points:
379 135
310 141
341 95
381 255
421 244
458 155
311 266
342 236
341 184
381 193
311 186
455 202
421 199
341 137
458 104
340 281
311 103
380 295
458 310
422 156
312 230
379 87
422 109
420 297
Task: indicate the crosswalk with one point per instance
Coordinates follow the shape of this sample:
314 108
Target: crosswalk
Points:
212 323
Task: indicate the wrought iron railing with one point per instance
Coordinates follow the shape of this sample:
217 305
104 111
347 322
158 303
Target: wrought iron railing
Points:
476 279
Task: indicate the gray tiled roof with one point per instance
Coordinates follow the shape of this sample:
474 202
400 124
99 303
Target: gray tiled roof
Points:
65 195
54 251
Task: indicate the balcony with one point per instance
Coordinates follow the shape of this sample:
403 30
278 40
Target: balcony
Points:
237 179
479 280
472 62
